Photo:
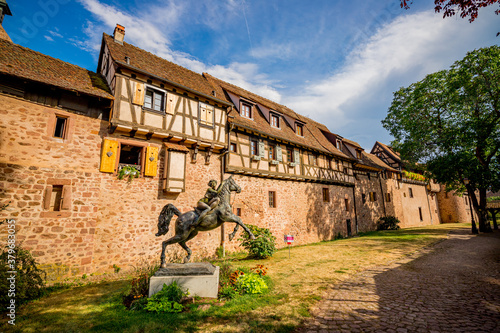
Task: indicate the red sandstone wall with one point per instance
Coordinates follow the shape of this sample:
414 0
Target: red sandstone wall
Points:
370 211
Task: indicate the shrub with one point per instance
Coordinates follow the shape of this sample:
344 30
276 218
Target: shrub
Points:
388 223
228 291
262 246
29 279
251 284
167 299
139 288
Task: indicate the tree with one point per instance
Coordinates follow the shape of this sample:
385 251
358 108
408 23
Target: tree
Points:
450 121
466 8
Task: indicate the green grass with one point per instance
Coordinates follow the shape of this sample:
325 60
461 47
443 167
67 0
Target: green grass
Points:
296 283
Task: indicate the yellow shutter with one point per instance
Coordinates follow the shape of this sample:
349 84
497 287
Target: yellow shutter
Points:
151 161
138 94
108 155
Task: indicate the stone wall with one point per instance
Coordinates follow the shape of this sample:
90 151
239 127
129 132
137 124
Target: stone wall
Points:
453 208
372 207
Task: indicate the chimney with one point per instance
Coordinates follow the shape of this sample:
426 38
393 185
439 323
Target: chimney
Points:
4 10
119 33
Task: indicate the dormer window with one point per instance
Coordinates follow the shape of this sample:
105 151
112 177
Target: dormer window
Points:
275 121
299 129
358 154
154 99
339 144
246 110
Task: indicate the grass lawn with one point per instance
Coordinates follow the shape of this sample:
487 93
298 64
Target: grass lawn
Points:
298 282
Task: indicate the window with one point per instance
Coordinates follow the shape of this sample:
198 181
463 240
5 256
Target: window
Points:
339 144
363 197
275 121
373 196
253 148
388 197
420 213
272 199
300 129
130 155
60 127
289 154
272 152
154 100
358 154
346 201
410 192
55 198
338 164
206 116
466 202
313 159
326 195
346 171
238 211
246 110
232 147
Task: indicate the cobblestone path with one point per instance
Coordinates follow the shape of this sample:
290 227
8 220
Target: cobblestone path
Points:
453 286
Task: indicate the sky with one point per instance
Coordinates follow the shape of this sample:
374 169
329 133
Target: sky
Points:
337 62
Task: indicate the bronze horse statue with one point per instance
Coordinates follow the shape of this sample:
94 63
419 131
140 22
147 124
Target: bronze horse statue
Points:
187 225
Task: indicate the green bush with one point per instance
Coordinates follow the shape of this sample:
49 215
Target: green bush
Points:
263 246
388 223
167 299
251 284
228 291
139 288
29 279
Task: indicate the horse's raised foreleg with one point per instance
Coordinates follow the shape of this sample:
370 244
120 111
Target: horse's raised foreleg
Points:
231 235
185 247
164 244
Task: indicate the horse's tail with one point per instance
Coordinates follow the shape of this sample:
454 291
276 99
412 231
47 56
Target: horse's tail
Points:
166 215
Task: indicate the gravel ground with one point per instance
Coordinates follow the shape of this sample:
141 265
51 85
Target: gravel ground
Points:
453 286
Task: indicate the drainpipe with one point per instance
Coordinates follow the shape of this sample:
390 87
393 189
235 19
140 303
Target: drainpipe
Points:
354 203
382 191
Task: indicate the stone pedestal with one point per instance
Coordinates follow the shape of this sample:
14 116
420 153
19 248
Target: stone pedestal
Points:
200 279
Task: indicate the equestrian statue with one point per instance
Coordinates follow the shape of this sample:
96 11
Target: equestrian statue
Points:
211 211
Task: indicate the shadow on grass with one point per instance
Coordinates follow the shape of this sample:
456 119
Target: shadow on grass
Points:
98 308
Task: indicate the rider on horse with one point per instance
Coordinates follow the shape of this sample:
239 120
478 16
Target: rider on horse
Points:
209 201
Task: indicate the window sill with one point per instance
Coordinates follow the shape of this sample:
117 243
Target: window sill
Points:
206 125
56 214
162 112
274 162
256 158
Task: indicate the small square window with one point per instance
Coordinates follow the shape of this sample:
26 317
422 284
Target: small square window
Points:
238 211
154 100
60 127
272 199
326 195
232 147
373 196
246 110
275 121
300 129
55 198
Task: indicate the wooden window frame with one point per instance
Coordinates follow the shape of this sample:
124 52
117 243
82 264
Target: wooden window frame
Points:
326 194
373 196
155 90
68 127
243 107
275 121
299 130
65 201
231 145
290 155
64 129
204 106
273 203
254 148
272 152
141 158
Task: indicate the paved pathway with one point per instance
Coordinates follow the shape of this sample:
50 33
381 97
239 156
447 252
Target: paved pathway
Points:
453 287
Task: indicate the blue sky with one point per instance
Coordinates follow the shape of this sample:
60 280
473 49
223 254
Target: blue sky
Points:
337 62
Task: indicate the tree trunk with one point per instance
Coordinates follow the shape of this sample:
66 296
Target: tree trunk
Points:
480 208
494 215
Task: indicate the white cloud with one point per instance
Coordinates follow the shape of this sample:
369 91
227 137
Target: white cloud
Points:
399 53
50 39
150 31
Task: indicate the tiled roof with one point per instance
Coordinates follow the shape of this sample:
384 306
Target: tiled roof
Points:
176 147
24 63
4 35
390 151
313 138
154 65
378 162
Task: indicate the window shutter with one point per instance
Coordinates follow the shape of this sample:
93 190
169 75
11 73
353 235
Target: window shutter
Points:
296 156
66 198
46 198
279 154
151 161
261 149
210 116
108 156
138 94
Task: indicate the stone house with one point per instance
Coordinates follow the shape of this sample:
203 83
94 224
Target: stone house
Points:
67 133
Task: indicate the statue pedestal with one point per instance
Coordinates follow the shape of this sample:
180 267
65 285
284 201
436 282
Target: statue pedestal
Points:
200 279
